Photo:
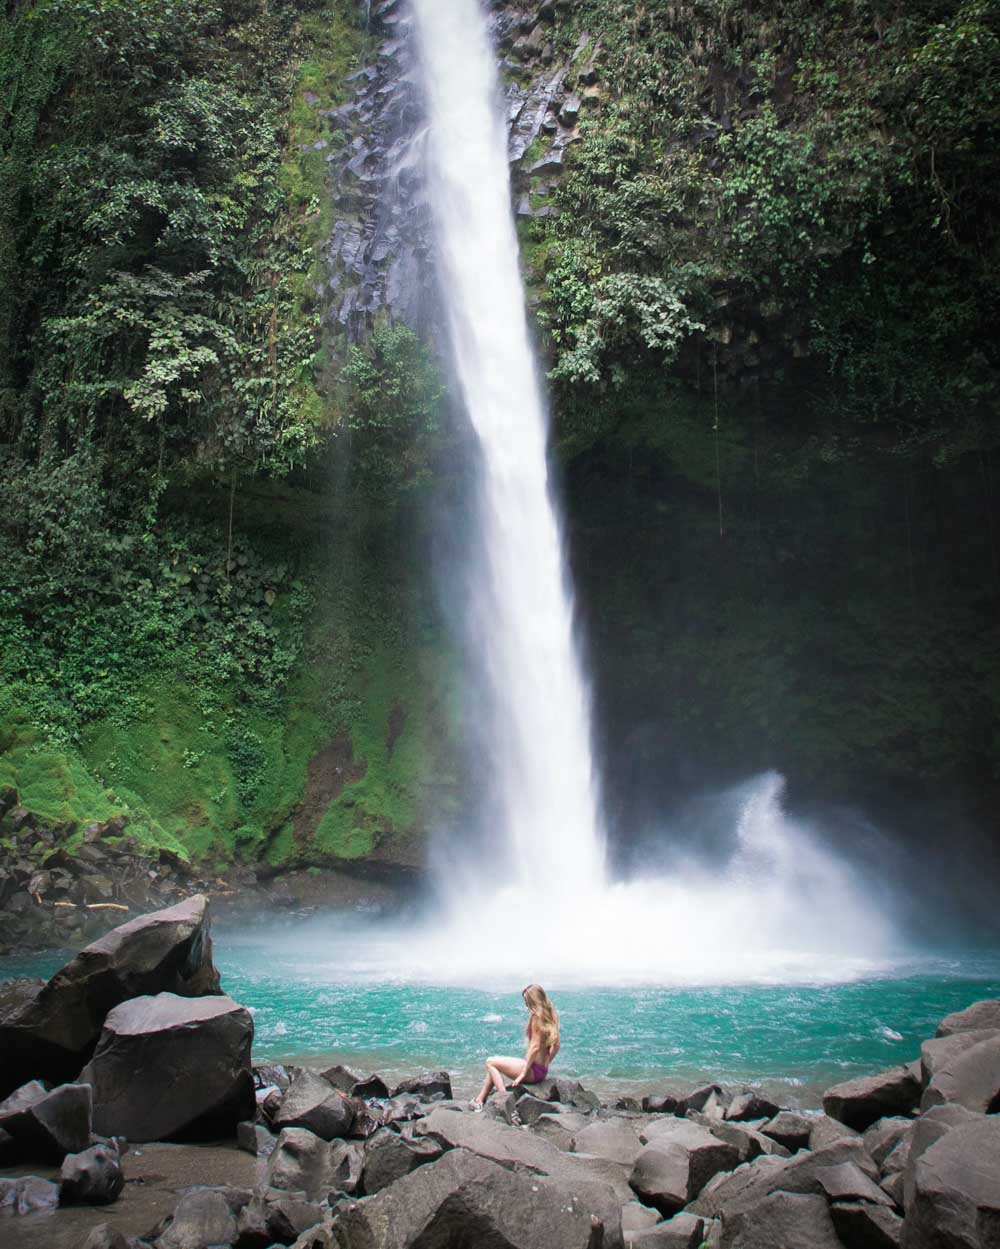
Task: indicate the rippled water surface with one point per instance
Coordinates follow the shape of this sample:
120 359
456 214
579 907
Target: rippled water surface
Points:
317 993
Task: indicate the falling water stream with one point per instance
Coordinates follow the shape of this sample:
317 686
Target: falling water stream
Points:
547 819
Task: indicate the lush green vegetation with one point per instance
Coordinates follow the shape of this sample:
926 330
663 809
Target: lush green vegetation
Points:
178 636
771 173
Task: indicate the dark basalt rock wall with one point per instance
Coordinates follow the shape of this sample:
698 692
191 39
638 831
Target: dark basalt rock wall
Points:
380 251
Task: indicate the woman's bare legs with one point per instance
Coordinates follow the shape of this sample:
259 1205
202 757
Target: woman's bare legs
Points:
496 1068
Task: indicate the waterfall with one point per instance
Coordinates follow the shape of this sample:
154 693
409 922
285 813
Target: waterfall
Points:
546 820
540 904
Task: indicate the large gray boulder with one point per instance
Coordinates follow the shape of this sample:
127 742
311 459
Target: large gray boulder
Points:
203 1217
683 1231
93 1177
985 1014
28 1194
388 1157
970 1078
46 1124
883 1137
302 1162
751 1105
731 1194
939 1052
50 1031
747 1141
790 1129
310 1102
845 1181
782 1221
463 1199
427 1085
169 1068
952 1179
860 1103
614 1139
825 1131
677 1164
928 1129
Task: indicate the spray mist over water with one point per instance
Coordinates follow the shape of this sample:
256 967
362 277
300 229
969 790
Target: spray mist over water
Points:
539 903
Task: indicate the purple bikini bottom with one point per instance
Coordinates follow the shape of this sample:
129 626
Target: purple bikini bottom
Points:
538 1073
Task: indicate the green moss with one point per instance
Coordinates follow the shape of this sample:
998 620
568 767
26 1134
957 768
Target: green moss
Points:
173 762
54 784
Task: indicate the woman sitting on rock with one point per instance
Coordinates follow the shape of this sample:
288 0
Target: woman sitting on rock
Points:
542 1033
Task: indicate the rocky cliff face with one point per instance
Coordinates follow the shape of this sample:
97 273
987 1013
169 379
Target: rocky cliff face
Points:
380 249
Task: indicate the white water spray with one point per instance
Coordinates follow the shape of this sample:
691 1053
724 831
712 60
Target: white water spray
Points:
543 906
548 821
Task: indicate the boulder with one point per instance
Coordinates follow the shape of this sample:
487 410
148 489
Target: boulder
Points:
194 1058
735 1193
570 1093
489 1138
970 1078
388 1157
661 1103
677 1164
318 1237
882 1138
45 1124
286 1218
750 1105
50 1031
985 1014
941 1051
601 1184
200 1218
343 1079
861 1226
463 1199
782 1221
427 1085
748 1142
104 1236
27 1195
370 1086
709 1100
928 1129
845 1181
255 1139
302 1163
530 1108
789 1129
92 1178
860 1103
683 1231
310 1102
952 1179
824 1131
348 1165
614 1139
636 1217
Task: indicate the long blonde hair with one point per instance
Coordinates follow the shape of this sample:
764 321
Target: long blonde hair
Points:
544 1013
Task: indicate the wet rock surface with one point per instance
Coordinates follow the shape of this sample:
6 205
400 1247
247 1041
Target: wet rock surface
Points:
194 1054
51 1030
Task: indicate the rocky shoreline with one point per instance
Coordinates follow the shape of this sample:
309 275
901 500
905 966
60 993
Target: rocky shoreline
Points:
115 1071
61 887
